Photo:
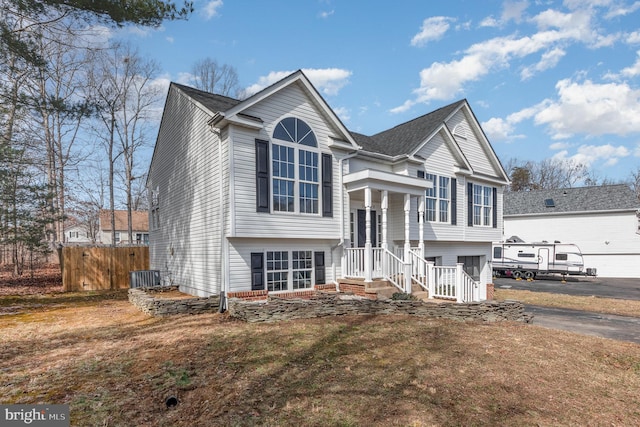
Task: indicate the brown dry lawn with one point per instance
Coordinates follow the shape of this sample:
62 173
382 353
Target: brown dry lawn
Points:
586 303
116 366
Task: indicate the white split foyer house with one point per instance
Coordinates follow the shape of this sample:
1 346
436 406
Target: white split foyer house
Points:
274 195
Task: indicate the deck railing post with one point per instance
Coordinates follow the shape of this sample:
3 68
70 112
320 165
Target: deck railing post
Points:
459 283
431 279
407 277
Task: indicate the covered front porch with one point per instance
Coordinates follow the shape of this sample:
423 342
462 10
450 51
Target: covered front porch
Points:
370 255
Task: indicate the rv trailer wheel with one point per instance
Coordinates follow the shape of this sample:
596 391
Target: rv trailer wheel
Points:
528 275
517 274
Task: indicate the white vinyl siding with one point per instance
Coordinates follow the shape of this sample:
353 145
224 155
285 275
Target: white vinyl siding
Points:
290 102
187 246
474 152
240 250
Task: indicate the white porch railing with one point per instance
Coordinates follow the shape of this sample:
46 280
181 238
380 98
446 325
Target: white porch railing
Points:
441 282
354 263
419 268
452 283
396 271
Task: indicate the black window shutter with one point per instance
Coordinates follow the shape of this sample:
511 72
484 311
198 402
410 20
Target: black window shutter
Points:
454 201
257 271
420 175
495 207
318 260
262 176
470 204
327 185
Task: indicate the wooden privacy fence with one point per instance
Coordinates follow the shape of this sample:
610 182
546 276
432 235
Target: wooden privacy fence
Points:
101 267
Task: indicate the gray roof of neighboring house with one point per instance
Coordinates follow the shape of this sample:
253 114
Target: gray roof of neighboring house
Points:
401 139
579 199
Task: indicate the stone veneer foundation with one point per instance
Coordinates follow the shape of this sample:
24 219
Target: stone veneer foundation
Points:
258 306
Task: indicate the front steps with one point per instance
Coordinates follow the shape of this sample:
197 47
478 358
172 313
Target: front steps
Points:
378 289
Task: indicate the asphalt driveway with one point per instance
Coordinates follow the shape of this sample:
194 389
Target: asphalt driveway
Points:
603 325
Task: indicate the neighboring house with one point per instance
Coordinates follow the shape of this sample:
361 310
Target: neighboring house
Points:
76 233
603 221
139 224
274 193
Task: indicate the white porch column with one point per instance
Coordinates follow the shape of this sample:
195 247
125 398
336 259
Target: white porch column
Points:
385 206
421 204
407 234
368 254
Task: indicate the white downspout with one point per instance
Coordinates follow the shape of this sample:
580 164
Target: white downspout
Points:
223 255
341 242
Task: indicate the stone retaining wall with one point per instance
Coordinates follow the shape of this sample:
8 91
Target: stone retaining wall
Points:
144 299
276 309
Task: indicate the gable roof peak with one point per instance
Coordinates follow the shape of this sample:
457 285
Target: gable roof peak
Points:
406 137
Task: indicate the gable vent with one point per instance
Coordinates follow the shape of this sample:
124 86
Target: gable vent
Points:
549 203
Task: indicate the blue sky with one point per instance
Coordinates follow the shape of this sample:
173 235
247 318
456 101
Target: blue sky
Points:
546 79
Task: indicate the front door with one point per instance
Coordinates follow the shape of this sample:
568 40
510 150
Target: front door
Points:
362 228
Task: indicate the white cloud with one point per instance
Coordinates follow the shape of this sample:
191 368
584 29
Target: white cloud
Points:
632 38
622 10
499 129
559 146
634 70
556 31
343 113
636 152
326 14
329 81
170 39
513 10
592 109
549 60
590 154
210 10
433 28
489 21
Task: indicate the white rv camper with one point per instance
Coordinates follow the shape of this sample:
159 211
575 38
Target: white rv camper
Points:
526 260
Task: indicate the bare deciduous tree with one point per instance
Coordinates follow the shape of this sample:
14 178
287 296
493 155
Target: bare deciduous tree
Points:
124 91
212 77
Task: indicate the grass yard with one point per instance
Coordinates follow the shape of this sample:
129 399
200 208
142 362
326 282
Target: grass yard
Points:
116 366
586 303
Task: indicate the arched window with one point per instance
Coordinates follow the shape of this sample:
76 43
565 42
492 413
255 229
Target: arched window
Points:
295 167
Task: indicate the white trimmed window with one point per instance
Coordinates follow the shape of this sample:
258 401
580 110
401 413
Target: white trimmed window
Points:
482 205
277 271
295 168
302 269
288 270
438 199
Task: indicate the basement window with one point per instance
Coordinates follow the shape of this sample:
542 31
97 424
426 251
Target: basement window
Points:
549 203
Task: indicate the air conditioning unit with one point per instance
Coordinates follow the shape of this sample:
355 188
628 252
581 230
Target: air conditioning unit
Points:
144 278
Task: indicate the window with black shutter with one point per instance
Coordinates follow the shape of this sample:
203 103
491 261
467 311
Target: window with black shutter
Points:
470 204
257 271
262 176
318 260
327 185
454 201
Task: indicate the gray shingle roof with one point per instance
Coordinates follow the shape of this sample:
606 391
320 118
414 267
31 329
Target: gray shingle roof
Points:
401 139
579 199
213 102
406 137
